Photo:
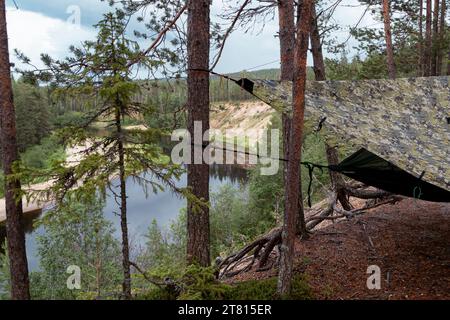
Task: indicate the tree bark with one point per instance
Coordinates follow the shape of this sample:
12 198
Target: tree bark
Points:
435 47
316 48
442 32
448 63
286 18
320 75
198 242
14 230
126 284
421 47
428 41
293 196
388 37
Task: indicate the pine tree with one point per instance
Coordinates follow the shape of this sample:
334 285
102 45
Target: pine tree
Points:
286 22
198 44
442 38
293 195
14 231
105 68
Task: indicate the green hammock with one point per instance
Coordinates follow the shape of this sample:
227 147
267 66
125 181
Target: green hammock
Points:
404 123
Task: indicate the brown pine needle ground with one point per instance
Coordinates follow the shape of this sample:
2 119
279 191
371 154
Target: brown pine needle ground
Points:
409 241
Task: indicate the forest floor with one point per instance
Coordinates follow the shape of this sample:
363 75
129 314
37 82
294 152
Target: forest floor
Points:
409 241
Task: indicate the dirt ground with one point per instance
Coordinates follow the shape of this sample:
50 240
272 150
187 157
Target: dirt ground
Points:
408 241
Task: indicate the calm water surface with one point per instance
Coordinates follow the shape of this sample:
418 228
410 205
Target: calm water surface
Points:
163 206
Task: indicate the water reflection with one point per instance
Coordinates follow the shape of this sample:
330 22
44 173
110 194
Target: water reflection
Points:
163 206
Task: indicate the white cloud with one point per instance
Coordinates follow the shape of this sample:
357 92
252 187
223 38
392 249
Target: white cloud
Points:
34 33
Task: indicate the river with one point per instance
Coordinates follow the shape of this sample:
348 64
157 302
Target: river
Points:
163 206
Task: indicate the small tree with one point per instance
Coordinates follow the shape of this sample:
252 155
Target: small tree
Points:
79 236
105 68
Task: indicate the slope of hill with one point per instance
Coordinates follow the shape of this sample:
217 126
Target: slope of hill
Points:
408 241
248 116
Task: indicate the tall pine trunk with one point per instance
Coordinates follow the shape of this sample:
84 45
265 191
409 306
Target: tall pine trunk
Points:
286 18
435 47
442 32
388 38
126 284
14 230
320 75
293 195
428 42
198 242
421 44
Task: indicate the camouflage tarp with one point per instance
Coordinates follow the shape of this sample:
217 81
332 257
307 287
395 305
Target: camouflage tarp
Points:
404 121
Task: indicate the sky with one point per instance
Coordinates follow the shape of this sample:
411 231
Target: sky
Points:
47 26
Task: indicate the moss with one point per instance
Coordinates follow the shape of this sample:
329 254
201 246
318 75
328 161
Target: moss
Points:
199 283
156 293
266 290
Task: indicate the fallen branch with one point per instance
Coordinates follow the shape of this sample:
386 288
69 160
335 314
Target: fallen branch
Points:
264 244
366 194
326 211
261 249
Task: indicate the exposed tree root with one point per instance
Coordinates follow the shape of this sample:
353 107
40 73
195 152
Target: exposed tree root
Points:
259 251
265 243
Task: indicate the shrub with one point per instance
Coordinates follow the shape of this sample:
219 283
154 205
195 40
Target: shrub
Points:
198 283
40 156
266 289
67 119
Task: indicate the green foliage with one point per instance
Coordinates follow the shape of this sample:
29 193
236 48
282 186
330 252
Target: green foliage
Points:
266 289
406 41
157 293
265 203
227 216
79 236
32 114
199 283
314 152
42 156
38 157
165 249
68 119
103 70
194 283
342 69
238 214
5 277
